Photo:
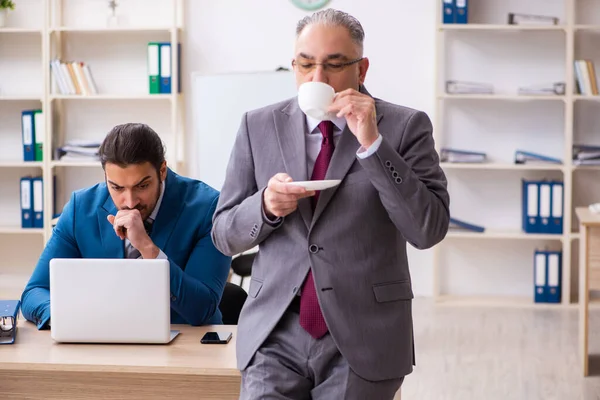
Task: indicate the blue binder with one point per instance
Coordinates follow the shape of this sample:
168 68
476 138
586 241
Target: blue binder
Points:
26 202
540 272
462 11
547 276
531 205
166 57
28 135
553 276
556 208
38 202
456 224
448 11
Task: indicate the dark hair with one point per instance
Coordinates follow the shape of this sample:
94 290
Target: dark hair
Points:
132 143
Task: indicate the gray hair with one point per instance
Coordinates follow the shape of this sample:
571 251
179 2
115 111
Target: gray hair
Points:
333 17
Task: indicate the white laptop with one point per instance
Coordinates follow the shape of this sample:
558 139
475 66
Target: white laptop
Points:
110 301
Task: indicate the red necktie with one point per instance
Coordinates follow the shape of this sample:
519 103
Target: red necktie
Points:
311 317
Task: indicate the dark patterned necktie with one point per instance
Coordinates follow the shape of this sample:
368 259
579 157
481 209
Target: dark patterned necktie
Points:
311 317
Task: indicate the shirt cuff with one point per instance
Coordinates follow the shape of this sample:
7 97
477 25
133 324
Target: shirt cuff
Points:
364 153
161 256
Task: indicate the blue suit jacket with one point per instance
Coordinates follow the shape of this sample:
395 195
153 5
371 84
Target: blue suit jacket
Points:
181 230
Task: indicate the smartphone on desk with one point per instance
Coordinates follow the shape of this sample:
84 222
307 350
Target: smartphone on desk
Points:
216 338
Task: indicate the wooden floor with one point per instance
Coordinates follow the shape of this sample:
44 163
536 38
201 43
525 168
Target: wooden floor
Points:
500 353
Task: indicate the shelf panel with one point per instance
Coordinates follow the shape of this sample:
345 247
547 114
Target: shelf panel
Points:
586 97
21 30
499 27
587 27
501 234
503 97
18 230
494 301
585 167
21 164
20 98
501 166
113 97
75 164
123 29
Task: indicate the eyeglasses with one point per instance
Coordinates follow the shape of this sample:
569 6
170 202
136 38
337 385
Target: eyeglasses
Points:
305 66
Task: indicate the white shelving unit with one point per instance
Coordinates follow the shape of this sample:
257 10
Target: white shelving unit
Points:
39 31
496 267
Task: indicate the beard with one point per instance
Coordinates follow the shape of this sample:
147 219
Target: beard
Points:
146 209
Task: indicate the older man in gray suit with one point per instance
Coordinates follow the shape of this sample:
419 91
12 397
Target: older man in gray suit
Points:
329 309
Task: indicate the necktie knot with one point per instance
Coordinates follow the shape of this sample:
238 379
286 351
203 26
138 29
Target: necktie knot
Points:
148 226
326 128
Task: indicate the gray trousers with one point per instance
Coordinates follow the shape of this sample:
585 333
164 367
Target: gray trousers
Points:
292 365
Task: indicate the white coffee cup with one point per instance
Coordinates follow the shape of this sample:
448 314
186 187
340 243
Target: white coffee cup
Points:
314 98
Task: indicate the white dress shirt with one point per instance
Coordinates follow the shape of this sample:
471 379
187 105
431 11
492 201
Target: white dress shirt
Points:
132 252
314 139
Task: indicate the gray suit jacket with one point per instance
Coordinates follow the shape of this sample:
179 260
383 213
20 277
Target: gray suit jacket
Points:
355 242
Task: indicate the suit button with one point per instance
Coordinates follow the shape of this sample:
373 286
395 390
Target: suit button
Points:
395 174
313 248
388 163
398 180
295 290
173 298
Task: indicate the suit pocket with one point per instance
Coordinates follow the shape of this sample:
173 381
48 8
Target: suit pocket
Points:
393 291
255 286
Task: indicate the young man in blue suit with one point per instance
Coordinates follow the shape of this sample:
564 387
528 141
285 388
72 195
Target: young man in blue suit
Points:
142 210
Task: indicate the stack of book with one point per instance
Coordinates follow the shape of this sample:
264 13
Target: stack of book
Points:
464 87
586 154
73 78
549 89
78 150
585 78
461 156
530 19
527 157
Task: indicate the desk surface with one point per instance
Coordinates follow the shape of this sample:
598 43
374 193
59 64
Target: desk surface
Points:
35 350
587 217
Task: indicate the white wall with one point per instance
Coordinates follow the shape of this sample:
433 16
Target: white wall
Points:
240 36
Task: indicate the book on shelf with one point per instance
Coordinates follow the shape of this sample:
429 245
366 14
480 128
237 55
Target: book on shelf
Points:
527 157
544 89
460 225
585 78
73 78
531 19
160 59
78 151
461 156
584 154
32 134
466 87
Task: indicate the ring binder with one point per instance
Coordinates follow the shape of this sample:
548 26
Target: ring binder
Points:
9 310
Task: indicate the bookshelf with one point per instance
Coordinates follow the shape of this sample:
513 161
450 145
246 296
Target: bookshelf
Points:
495 268
39 31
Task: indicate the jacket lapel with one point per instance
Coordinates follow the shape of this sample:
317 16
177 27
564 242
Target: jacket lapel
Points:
291 131
169 212
113 246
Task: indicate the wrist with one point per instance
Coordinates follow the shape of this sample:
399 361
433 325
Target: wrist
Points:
369 141
149 251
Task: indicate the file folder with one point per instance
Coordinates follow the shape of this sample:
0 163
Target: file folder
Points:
456 224
26 202
39 129
38 203
165 68
545 204
556 216
9 312
448 11
531 204
539 276
462 11
553 285
154 67
28 133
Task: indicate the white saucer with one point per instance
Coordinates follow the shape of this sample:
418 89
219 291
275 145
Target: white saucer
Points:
316 185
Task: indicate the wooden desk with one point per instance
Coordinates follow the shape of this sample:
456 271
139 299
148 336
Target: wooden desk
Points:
589 274
36 367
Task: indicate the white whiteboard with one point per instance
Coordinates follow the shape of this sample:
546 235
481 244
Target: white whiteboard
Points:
218 103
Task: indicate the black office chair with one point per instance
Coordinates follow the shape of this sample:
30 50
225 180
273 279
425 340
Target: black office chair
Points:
242 265
232 301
